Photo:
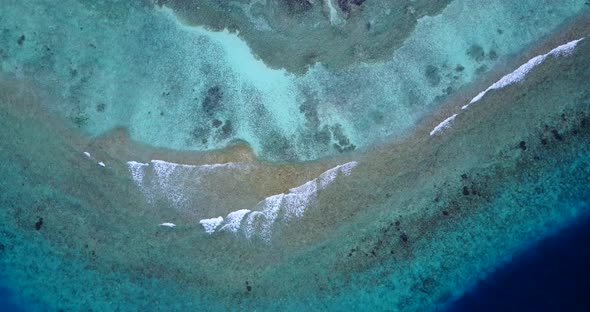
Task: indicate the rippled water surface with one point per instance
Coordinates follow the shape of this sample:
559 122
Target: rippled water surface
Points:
290 155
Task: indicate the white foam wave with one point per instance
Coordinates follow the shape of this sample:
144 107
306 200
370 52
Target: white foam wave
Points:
292 205
443 125
519 74
211 224
233 221
169 178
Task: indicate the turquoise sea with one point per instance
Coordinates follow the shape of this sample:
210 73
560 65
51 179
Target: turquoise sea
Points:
289 155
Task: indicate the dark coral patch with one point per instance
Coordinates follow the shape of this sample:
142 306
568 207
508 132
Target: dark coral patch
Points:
100 107
404 237
298 6
227 129
432 75
212 102
39 224
216 123
465 190
347 5
476 52
21 40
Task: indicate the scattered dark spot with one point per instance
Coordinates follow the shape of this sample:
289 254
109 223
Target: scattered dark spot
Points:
21 40
161 113
480 70
459 68
445 213
309 109
100 107
465 191
493 55
227 129
464 176
368 25
298 6
199 132
373 253
347 5
556 135
432 75
343 144
476 52
204 141
2 247
166 93
563 118
80 120
323 136
216 123
404 237
39 224
248 287
544 141
212 101
397 223
500 31
522 145
388 195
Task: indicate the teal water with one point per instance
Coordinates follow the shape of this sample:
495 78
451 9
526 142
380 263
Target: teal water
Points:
336 187
195 89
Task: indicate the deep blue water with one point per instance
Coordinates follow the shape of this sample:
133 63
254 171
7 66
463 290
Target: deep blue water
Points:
551 275
7 303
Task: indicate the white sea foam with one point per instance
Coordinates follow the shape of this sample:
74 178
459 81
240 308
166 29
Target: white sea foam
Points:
168 224
169 178
233 221
519 74
443 125
137 170
211 224
292 205
330 175
298 199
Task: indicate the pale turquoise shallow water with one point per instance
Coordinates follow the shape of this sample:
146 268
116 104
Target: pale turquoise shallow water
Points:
118 63
410 228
